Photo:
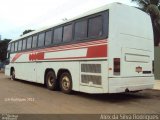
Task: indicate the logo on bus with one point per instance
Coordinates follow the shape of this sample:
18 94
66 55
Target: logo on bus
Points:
138 69
36 56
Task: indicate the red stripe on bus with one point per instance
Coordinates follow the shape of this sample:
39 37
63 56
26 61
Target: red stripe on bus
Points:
69 48
92 52
64 47
16 57
79 44
97 51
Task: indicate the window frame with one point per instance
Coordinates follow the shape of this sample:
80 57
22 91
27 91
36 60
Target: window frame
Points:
52 33
38 39
13 46
80 39
16 45
98 16
24 39
57 43
9 47
105 26
72 26
19 44
27 42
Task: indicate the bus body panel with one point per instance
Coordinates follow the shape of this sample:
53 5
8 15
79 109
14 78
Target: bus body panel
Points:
130 40
96 74
130 35
7 70
29 64
26 71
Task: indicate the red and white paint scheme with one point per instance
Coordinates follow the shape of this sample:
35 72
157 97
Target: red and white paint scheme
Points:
85 50
117 59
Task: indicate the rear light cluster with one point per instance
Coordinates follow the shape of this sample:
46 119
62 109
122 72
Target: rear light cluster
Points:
117 66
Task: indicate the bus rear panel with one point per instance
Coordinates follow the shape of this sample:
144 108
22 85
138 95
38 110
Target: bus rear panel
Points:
130 52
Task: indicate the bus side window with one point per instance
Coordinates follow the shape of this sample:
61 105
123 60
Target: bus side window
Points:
95 27
16 46
8 52
12 47
41 39
57 35
67 33
29 42
20 45
9 47
24 44
48 38
80 30
34 41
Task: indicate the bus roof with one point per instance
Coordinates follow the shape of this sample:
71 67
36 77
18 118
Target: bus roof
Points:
100 9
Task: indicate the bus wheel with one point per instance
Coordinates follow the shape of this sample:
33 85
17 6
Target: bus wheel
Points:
13 74
66 83
51 80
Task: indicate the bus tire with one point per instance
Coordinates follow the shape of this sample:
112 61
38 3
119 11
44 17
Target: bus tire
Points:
51 81
13 74
66 83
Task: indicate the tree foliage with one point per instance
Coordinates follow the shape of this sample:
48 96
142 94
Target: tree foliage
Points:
26 31
3 49
143 4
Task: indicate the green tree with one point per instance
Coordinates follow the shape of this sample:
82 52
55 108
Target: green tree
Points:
149 6
26 31
3 49
144 3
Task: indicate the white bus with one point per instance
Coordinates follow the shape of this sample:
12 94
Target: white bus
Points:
106 50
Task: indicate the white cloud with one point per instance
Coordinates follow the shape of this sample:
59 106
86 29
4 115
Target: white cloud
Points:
18 15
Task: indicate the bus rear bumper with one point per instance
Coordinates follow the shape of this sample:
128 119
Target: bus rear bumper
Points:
119 85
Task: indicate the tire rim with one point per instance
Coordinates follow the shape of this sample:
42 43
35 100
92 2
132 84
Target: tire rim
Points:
65 83
50 81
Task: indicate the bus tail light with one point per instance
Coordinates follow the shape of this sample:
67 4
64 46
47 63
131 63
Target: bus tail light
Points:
117 66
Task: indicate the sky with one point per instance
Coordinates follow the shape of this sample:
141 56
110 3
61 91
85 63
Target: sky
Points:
19 15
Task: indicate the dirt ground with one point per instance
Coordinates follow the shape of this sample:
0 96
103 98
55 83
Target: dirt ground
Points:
24 97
